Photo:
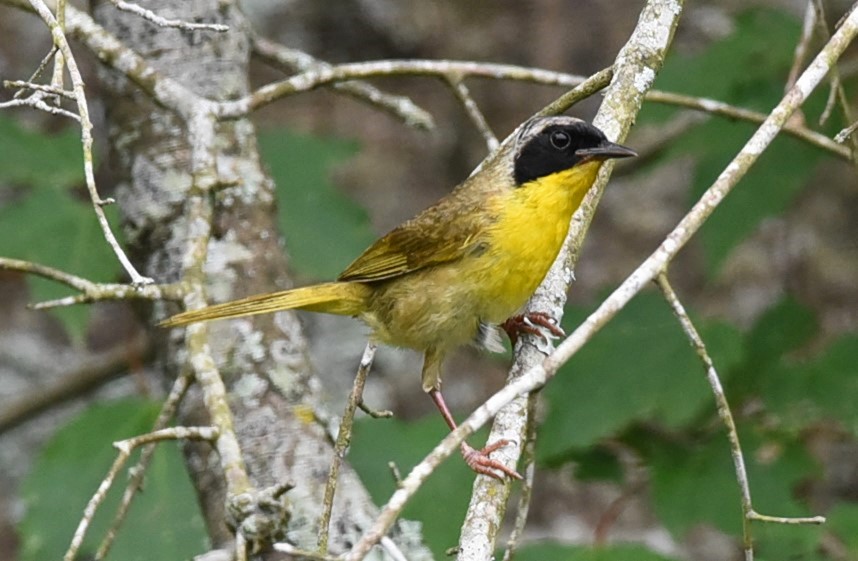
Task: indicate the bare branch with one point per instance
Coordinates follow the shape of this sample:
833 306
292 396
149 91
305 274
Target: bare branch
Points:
725 182
726 415
59 39
399 106
138 471
91 291
634 70
36 101
125 447
38 87
715 107
460 90
344 438
345 72
151 16
811 16
528 461
94 372
846 133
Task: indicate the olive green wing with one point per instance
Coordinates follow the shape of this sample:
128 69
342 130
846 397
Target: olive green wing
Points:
442 233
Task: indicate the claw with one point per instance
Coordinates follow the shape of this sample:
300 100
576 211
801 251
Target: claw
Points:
479 461
538 324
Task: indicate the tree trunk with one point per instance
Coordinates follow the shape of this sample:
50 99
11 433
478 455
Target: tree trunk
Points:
273 394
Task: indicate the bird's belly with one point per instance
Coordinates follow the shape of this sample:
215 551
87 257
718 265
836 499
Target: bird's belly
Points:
434 308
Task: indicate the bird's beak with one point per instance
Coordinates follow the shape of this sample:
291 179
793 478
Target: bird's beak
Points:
605 151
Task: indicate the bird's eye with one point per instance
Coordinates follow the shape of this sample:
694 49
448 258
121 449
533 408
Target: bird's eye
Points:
560 139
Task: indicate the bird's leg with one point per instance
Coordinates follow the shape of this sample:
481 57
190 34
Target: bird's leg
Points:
535 323
477 460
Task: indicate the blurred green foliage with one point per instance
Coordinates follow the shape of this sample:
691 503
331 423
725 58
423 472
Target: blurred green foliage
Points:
164 520
746 69
324 229
47 223
638 383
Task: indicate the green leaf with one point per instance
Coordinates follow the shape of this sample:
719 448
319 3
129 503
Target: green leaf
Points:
560 552
164 520
759 54
34 158
824 387
694 484
766 190
843 521
377 442
50 227
596 463
639 366
324 230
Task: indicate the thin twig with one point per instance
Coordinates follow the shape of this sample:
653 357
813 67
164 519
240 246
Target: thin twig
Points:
803 45
93 373
472 110
240 546
584 89
92 291
37 101
138 471
59 39
323 76
297 553
726 415
846 133
528 460
39 69
38 87
59 61
400 106
714 107
125 447
344 437
374 413
151 16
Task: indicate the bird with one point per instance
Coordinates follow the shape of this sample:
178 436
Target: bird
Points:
467 265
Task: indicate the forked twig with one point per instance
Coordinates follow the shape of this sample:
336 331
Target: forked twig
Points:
138 471
344 437
726 415
59 40
125 447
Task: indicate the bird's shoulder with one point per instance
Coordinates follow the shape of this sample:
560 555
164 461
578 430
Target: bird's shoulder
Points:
444 232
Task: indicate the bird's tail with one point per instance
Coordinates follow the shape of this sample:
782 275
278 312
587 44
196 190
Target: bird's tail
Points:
342 298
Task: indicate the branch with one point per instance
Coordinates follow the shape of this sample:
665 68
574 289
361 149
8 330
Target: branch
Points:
125 448
538 375
95 371
59 40
160 21
172 95
138 471
344 438
91 291
399 106
713 196
634 70
726 415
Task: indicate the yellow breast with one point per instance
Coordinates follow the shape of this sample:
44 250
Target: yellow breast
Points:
533 220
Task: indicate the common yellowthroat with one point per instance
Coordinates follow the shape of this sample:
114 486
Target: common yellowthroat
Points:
457 270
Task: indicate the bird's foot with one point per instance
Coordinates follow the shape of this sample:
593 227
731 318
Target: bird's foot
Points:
539 324
479 461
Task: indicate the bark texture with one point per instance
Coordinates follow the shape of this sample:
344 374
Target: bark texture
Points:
274 397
